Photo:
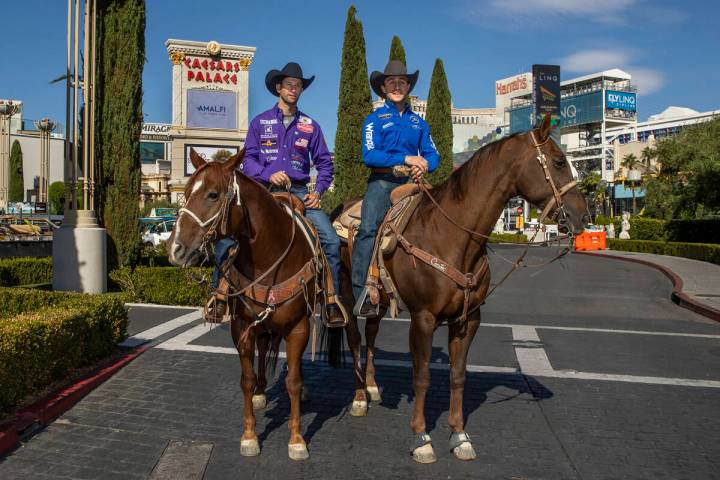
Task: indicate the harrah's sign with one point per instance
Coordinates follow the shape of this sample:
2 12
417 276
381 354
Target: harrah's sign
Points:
211 71
520 83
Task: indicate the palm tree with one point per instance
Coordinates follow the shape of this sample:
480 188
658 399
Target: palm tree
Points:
647 155
631 162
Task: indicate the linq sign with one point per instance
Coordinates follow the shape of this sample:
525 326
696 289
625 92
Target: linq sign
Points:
215 71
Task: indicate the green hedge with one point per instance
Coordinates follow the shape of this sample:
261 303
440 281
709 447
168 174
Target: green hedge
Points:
25 271
508 237
163 285
698 251
45 336
693 231
646 229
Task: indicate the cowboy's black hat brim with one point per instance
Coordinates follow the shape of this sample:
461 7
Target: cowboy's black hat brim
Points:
377 79
276 76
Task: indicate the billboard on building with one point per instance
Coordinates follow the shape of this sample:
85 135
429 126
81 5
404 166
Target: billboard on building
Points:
575 110
211 109
546 93
151 152
620 100
509 88
208 153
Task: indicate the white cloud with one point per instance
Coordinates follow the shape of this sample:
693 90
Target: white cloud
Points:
594 60
561 7
648 81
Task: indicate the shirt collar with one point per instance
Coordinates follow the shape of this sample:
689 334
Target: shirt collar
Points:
391 105
279 113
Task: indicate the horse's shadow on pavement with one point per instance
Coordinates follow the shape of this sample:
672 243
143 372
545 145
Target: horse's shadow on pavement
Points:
332 389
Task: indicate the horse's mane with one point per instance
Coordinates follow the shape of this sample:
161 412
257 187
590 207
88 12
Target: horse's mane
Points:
464 178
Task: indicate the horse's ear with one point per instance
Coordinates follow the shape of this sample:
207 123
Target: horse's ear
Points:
546 128
233 162
196 159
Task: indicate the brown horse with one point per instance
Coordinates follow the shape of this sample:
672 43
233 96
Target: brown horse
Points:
220 202
530 165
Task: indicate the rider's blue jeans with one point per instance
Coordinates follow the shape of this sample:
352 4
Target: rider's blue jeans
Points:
375 205
329 240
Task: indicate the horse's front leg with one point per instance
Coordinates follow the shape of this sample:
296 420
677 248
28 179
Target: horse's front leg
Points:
359 406
459 340
422 327
295 344
372 326
249 446
259 399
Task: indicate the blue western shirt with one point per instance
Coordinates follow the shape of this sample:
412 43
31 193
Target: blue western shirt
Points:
389 137
270 148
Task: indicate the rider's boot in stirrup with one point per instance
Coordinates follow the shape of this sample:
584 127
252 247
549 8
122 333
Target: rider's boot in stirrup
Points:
216 307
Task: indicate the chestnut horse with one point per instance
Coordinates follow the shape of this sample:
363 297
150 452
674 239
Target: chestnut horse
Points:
223 202
528 164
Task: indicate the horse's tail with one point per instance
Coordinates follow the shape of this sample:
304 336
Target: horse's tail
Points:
331 344
271 356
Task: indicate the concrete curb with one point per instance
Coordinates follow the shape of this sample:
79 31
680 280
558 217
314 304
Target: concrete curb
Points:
44 411
677 296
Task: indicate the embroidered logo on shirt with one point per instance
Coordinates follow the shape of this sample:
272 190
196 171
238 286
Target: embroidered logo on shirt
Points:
301 142
269 143
414 119
268 129
383 116
304 127
369 136
272 121
305 120
389 124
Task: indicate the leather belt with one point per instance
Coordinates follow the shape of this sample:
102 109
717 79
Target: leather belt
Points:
382 170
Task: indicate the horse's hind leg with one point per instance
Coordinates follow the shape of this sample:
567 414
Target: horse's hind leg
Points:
459 340
422 327
372 326
359 406
249 445
259 399
295 343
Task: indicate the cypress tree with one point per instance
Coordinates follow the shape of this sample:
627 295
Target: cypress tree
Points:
397 52
17 186
439 117
118 114
353 106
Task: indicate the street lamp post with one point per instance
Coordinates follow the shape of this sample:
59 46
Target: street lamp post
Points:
80 245
7 110
46 127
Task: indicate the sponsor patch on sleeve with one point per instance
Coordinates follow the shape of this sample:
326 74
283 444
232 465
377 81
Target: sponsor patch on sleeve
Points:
383 116
369 144
388 125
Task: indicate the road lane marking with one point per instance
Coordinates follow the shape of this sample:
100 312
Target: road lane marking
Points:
155 332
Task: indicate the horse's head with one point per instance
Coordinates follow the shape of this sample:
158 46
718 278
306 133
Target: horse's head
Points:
545 179
208 196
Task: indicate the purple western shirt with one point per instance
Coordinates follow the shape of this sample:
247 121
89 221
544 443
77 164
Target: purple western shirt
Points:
270 148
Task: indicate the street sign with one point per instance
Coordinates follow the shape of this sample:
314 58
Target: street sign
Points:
40 207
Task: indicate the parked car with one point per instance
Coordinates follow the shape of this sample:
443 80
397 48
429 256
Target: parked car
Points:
594 228
160 232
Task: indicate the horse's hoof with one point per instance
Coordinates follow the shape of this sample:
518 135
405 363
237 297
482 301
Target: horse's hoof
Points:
298 451
304 394
374 393
464 451
249 448
424 454
359 408
259 402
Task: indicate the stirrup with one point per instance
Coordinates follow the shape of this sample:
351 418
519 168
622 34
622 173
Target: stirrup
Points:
364 307
341 308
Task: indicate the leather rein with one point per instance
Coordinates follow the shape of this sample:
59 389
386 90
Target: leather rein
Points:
469 281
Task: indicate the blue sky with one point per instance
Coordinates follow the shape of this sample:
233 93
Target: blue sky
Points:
670 47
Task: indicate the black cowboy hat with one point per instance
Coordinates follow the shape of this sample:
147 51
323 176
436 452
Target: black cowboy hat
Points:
393 68
293 70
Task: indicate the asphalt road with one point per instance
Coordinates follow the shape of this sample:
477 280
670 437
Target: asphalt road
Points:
583 369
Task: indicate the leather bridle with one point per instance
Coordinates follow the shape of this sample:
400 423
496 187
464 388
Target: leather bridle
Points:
556 201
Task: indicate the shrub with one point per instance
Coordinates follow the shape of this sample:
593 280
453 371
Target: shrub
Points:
693 231
44 336
508 237
697 251
647 228
25 271
163 285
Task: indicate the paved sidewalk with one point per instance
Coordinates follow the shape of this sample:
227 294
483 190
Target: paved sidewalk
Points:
701 280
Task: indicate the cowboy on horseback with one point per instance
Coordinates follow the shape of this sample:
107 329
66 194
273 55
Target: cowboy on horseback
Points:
280 147
393 136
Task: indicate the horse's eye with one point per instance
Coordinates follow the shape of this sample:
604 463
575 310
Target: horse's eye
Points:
212 196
